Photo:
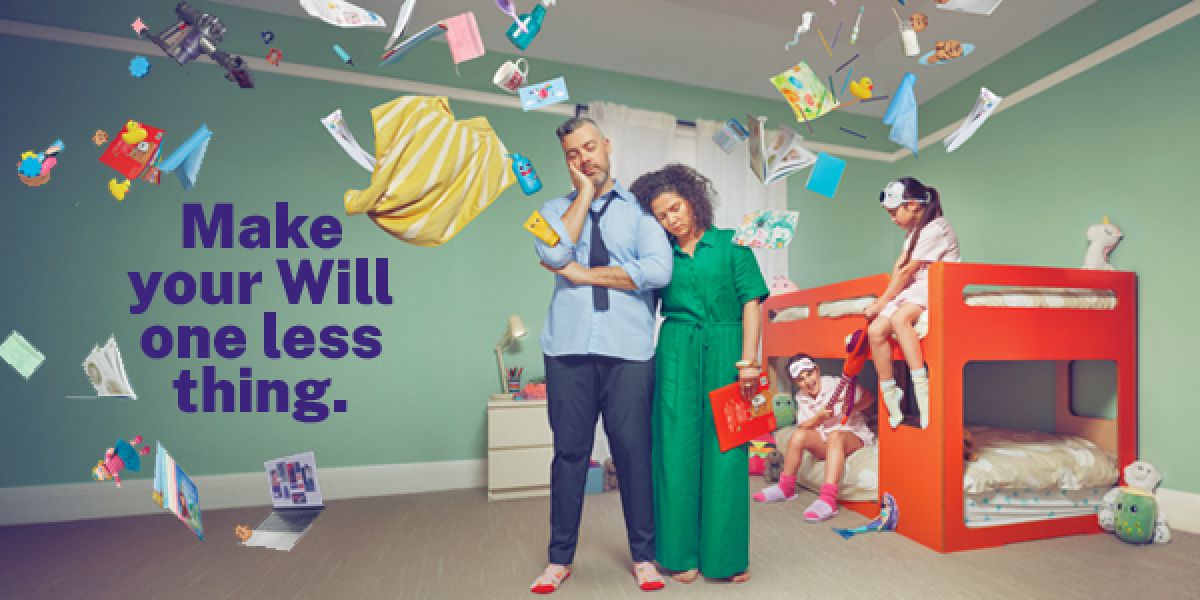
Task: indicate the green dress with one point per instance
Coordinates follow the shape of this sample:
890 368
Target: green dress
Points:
701 500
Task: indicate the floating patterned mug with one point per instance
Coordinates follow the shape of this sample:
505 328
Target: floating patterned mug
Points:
511 76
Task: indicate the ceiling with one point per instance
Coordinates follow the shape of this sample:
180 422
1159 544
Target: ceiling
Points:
737 45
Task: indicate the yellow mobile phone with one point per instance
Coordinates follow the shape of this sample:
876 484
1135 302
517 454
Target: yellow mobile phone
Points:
537 225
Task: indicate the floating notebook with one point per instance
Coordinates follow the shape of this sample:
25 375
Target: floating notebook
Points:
399 50
462 34
18 352
826 175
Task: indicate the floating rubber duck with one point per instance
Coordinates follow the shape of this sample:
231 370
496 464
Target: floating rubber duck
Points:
134 133
118 190
862 89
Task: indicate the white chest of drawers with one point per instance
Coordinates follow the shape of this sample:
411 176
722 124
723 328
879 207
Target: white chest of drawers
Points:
520 449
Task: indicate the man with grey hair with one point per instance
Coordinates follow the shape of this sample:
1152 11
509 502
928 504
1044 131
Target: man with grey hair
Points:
598 343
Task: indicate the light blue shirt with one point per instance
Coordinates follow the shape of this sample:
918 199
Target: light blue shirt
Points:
636 243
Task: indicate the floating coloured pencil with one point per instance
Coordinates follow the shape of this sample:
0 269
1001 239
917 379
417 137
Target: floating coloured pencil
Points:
852 59
875 98
853 133
846 82
836 34
827 49
831 88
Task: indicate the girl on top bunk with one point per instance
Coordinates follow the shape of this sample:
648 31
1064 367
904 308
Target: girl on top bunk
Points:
820 430
917 208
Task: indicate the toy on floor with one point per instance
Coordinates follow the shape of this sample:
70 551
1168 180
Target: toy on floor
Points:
774 466
889 515
610 476
242 532
760 448
1131 511
124 455
1102 239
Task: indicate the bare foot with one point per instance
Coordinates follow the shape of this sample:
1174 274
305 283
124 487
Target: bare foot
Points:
742 577
686 576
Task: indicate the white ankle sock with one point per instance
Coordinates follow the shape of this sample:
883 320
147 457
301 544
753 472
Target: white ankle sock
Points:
920 381
892 395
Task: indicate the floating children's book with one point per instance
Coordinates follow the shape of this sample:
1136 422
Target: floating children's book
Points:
175 491
784 157
805 91
767 229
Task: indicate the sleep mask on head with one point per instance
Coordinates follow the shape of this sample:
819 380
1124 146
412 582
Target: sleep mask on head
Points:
892 196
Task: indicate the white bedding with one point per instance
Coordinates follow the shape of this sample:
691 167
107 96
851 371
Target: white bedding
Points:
988 509
1010 462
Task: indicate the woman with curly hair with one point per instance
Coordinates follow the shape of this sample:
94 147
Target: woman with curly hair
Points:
709 339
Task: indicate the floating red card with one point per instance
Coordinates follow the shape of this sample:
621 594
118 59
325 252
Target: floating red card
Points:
738 419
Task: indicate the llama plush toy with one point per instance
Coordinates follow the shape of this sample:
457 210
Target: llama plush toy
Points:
1102 239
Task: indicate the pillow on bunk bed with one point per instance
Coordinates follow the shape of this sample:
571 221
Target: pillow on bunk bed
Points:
1035 460
860 476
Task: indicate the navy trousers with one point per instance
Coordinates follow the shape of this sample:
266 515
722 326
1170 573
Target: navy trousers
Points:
579 389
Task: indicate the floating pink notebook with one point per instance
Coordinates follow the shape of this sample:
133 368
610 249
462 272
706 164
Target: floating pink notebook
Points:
463 37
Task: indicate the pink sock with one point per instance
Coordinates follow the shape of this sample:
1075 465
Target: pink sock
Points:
829 493
787 485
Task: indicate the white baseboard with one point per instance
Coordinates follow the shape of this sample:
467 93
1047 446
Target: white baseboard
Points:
99 499
1182 509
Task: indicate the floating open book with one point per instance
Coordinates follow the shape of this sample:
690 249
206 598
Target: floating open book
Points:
106 371
784 157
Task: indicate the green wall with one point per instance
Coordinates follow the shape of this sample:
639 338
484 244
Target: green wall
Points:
1015 194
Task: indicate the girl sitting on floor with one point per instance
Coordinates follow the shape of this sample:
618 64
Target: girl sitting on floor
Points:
820 430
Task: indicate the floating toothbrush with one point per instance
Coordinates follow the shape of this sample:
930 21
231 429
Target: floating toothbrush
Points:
857 21
506 7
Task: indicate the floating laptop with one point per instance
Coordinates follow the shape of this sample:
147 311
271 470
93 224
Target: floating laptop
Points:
296 495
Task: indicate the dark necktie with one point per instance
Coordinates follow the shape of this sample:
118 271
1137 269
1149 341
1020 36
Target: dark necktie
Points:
598 256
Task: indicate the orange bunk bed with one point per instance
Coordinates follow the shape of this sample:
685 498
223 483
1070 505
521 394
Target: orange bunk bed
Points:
923 469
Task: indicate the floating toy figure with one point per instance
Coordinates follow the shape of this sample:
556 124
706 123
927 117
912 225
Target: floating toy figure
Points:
34 168
243 532
124 455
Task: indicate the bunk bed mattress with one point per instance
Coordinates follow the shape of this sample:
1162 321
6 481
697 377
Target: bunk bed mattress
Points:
1006 507
1008 297
1011 460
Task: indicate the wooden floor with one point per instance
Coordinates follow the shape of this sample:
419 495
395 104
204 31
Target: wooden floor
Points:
457 545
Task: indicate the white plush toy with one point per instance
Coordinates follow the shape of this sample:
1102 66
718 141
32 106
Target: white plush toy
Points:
1141 479
1102 239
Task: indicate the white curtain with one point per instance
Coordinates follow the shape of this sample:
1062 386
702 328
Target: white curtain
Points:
641 140
644 141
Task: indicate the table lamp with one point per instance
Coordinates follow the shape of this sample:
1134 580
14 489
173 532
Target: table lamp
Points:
514 331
